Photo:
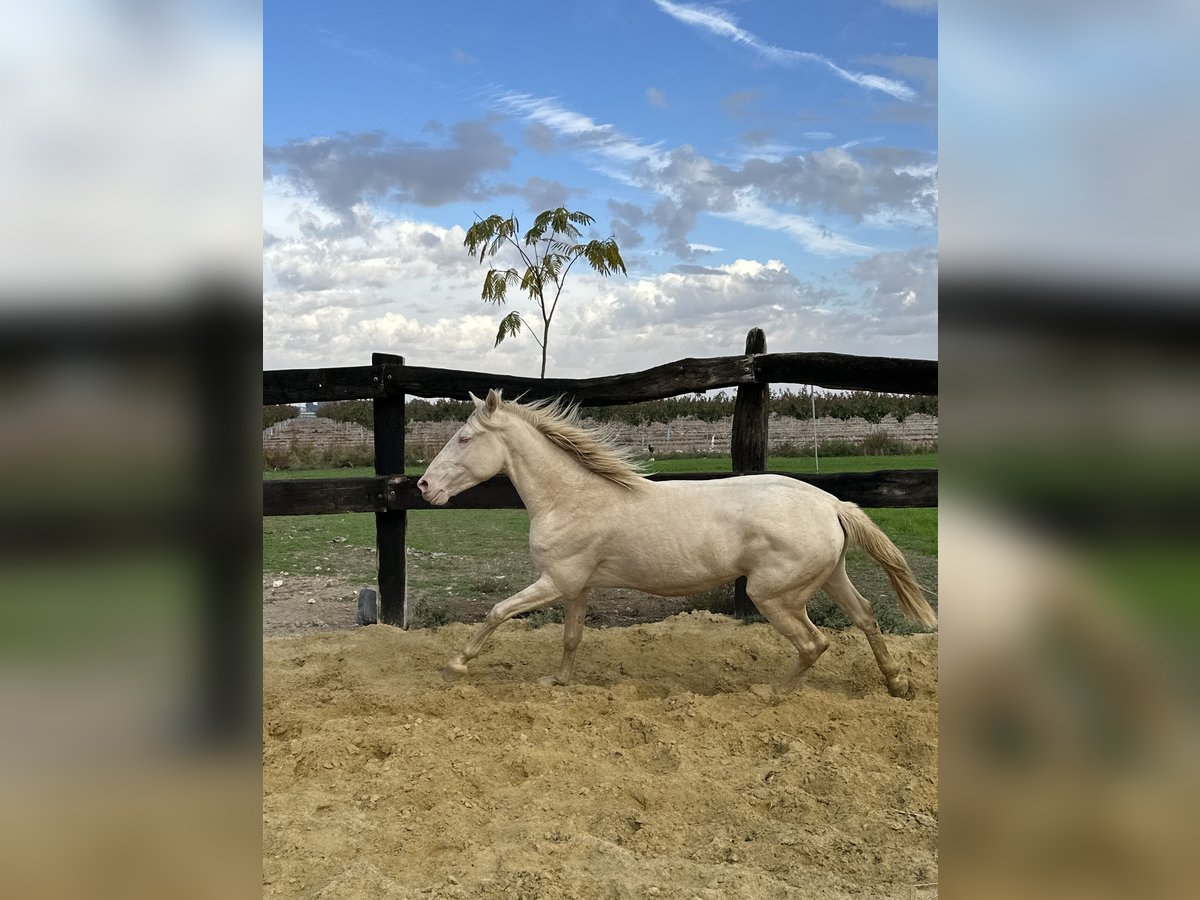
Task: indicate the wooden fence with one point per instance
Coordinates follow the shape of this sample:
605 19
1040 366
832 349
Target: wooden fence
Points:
388 381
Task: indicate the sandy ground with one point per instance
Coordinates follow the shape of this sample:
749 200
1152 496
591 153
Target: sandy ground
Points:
670 769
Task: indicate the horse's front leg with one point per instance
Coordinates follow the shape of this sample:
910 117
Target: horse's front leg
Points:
572 635
541 593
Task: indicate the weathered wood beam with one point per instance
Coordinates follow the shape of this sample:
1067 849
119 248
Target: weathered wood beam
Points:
840 371
684 376
305 385
681 377
324 496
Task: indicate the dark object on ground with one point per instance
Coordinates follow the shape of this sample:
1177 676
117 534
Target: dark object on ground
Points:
367 608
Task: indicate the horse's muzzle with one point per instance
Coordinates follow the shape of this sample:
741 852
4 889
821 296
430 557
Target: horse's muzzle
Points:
432 495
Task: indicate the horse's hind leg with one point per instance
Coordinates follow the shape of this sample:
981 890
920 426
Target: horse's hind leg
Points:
576 612
541 593
790 618
858 609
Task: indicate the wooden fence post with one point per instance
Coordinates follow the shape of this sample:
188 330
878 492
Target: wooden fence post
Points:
391 527
748 443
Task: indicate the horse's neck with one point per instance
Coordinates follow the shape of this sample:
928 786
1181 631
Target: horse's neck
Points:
546 476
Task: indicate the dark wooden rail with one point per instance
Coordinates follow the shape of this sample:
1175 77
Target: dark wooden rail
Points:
830 370
328 496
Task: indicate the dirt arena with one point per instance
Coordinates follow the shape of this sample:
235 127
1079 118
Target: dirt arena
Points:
670 769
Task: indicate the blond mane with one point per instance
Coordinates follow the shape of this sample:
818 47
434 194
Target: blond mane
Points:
594 448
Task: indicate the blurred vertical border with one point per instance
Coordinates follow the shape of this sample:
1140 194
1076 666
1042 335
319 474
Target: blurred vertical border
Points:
1070 326
130 276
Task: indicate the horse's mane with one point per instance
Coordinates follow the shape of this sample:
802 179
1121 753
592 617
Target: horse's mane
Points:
594 448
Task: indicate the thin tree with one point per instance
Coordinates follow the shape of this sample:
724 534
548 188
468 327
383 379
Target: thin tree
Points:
549 249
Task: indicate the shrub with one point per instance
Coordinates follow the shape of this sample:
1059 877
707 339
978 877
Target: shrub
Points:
881 443
308 456
839 448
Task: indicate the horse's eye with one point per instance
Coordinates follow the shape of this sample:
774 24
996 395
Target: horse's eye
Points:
464 439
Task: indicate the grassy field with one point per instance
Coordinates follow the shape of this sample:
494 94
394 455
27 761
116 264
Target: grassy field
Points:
483 554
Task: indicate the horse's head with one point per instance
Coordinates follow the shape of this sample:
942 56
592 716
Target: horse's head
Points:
474 454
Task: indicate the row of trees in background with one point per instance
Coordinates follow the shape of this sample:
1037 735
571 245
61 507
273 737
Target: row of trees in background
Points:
280 412
872 407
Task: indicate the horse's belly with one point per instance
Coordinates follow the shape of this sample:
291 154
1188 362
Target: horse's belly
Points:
666 573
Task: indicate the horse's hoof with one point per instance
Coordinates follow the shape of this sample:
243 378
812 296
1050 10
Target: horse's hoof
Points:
899 686
454 671
550 681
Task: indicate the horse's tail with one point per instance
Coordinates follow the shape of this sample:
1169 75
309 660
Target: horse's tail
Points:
862 532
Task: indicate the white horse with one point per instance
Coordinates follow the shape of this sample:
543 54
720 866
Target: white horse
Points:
597 521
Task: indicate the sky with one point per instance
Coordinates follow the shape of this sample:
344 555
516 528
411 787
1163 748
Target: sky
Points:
760 164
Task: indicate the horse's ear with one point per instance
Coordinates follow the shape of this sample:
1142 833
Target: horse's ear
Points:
493 400
478 403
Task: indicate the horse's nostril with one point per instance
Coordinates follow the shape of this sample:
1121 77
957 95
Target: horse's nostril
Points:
422 485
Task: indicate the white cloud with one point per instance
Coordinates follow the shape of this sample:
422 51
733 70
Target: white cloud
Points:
901 290
305 255
332 300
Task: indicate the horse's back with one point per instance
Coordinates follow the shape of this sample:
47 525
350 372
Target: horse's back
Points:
756 496
683 536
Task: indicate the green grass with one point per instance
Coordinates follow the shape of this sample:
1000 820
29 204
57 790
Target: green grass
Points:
912 530
341 545
293 474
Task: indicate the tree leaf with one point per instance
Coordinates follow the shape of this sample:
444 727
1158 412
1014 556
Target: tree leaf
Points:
495 284
510 325
604 257
486 236
532 282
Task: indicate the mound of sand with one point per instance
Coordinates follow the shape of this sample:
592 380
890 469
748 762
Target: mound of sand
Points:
670 769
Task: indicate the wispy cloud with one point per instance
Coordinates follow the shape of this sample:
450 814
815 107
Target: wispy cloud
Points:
722 24
585 132
813 237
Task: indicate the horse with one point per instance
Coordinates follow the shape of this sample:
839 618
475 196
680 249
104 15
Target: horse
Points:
597 521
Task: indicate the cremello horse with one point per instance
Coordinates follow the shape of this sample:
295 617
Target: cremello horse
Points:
596 521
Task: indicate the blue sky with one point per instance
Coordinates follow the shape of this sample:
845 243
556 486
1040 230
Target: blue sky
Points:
760 163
